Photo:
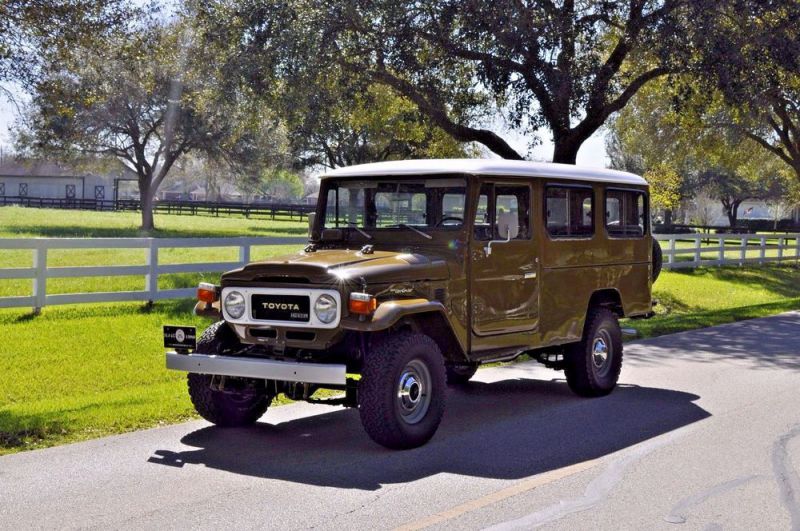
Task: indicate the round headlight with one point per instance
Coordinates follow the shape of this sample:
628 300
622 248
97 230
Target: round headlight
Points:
325 308
234 304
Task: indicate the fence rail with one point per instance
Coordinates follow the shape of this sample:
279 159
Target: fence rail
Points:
705 250
680 251
40 272
192 208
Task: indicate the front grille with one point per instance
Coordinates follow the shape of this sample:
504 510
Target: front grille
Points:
291 308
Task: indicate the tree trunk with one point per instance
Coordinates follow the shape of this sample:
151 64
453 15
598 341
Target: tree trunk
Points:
732 211
668 218
147 209
566 150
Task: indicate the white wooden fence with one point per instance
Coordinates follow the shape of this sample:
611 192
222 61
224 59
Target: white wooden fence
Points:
706 250
680 251
41 272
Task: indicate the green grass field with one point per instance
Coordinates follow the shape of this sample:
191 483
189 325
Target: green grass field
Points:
78 372
19 222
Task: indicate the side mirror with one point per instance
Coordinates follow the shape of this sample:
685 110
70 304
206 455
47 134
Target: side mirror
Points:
508 226
312 217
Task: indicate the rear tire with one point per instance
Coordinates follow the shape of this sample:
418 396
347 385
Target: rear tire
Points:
460 374
242 401
401 395
593 364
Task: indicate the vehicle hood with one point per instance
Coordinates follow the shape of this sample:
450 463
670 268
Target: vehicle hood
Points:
334 265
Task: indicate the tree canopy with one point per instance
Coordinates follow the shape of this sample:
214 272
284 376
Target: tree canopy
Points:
32 31
751 56
666 134
146 97
565 66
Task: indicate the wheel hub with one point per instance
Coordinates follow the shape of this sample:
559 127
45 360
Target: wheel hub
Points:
410 390
599 352
413 396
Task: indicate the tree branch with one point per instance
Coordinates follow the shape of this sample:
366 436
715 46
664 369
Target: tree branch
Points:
438 114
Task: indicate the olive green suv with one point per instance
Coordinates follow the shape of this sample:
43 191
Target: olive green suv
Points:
416 273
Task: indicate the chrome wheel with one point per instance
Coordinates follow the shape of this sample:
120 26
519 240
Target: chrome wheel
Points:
413 392
602 351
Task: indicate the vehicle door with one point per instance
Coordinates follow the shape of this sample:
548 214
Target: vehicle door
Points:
504 260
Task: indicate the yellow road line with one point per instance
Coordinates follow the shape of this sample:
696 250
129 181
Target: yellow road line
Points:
500 495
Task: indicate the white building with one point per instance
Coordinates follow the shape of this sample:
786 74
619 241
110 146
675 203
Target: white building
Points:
45 179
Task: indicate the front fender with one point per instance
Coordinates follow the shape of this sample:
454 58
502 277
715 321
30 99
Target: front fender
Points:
390 312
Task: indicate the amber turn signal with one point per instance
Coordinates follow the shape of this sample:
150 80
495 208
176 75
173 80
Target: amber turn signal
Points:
362 303
207 292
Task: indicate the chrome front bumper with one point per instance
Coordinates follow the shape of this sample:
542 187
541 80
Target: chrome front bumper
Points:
285 371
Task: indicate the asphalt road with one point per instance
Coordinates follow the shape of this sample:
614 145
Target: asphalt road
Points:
702 433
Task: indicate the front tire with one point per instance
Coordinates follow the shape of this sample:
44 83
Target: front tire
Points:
593 364
240 401
401 395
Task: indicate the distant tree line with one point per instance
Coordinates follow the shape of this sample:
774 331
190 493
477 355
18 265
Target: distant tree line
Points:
698 94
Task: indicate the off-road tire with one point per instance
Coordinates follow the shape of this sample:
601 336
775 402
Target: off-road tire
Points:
379 399
584 376
242 402
460 374
658 260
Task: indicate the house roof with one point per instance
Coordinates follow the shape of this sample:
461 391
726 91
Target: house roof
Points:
48 169
516 168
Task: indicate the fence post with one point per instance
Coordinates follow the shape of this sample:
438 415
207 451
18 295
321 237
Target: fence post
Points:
721 251
698 246
781 242
244 253
40 282
151 279
797 248
743 258
763 252
671 258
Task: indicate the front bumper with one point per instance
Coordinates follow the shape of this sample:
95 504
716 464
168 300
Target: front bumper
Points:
284 371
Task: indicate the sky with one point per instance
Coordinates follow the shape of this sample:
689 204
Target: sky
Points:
592 153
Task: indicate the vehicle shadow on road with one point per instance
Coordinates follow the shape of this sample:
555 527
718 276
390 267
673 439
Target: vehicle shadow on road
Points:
508 429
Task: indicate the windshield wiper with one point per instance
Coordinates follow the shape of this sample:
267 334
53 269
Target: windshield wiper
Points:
421 233
355 226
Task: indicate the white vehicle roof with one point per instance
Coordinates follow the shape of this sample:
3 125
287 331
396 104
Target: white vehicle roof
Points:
516 168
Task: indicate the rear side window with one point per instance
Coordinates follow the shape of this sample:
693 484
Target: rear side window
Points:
625 213
569 211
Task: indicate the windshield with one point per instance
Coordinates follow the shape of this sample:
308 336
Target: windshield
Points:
386 203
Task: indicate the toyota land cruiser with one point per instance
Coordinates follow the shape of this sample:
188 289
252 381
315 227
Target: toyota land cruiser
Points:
416 273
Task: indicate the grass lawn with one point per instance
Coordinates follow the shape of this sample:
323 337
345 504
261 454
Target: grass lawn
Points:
78 372
696 298
20 222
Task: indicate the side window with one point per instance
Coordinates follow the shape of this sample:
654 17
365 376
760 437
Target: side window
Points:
495 204
331 209
569 211
625 213
483 219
